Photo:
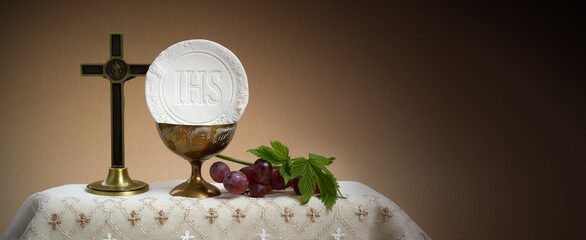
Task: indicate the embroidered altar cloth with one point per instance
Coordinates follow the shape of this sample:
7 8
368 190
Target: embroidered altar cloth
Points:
68 212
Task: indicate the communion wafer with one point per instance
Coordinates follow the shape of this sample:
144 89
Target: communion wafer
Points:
196 82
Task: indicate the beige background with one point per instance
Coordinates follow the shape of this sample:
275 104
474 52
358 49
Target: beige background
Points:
468 117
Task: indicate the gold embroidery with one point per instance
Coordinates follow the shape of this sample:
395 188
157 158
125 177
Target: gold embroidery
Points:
83 220
313 214
191 211
213 214
288 214
162 217
55 221
133 218
239 215
361 213
386 214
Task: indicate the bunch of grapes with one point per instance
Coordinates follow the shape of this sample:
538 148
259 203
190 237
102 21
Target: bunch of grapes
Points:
253 179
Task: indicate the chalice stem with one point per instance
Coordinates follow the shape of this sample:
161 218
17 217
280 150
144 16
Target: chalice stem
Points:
195 186
195 177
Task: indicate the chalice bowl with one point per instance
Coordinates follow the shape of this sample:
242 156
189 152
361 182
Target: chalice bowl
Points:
196 143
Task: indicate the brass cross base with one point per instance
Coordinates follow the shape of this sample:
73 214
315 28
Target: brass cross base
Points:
117 183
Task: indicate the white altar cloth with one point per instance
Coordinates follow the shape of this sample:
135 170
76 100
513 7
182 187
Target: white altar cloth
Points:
68 212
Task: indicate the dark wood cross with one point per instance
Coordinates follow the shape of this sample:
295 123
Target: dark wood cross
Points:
117 71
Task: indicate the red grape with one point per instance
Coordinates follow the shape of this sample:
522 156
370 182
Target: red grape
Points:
218 171
295 183
257 190
289 183
236 182
262 170
277 182
248 172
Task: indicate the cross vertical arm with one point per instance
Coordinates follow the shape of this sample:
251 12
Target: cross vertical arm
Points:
117 121
116 45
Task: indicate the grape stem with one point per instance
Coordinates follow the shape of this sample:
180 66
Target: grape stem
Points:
231 159
234 160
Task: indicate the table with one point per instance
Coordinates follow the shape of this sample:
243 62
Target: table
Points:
68 212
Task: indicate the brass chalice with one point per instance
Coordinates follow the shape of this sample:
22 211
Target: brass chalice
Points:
196 91
196 143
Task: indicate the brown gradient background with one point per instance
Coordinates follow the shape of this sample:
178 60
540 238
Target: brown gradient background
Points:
469 117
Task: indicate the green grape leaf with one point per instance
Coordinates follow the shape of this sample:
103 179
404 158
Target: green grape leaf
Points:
326 182
325 161
285 171
268 154
312 170
301 167
280 150
277 155
314 173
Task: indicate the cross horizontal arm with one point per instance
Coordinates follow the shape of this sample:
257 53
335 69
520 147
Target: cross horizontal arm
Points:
92 70
138 69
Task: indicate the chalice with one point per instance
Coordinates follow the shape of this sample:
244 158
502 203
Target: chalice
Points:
197 91
196 144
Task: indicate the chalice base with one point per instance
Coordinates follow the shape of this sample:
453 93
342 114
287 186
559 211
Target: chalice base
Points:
195 186
117 183
195 190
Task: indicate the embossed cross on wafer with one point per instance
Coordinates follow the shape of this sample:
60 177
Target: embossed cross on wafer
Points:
117 71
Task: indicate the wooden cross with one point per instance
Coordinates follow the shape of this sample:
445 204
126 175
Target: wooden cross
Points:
117 71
